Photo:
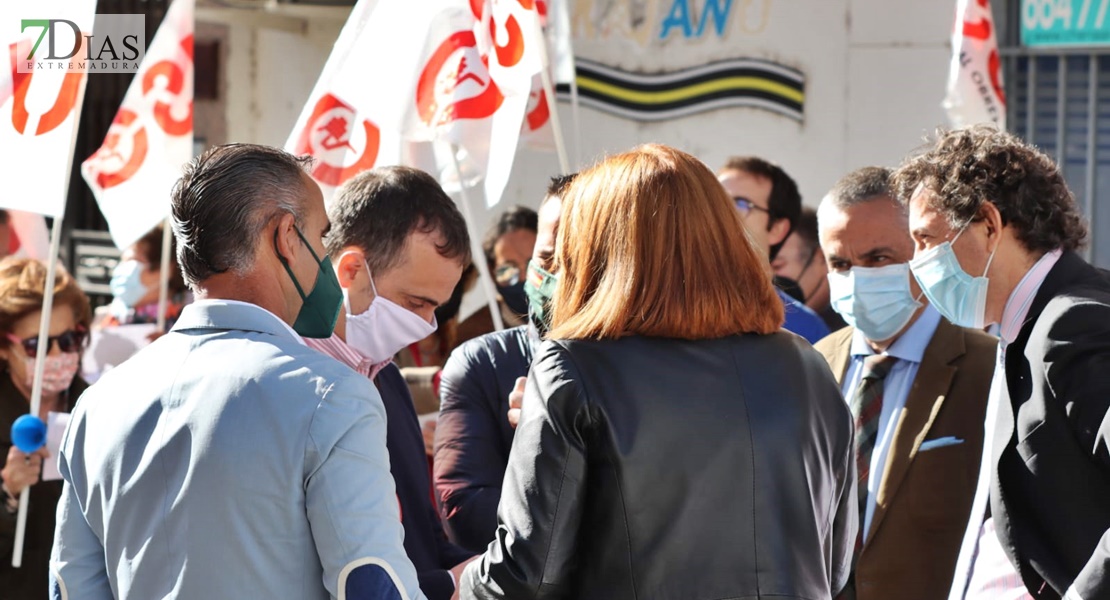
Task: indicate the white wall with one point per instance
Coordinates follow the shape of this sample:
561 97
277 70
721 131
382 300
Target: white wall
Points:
875 73
271 69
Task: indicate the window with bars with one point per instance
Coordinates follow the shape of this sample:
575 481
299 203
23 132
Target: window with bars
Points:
1059 100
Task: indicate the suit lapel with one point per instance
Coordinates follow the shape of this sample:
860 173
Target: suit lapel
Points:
841 353
927 394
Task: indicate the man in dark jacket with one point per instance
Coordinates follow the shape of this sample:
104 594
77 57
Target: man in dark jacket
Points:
398 244
475 432
996 230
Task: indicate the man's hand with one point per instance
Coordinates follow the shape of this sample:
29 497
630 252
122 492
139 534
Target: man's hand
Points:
22 470
516 398
457 572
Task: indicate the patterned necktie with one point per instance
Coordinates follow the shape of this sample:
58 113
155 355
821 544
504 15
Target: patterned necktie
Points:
867 406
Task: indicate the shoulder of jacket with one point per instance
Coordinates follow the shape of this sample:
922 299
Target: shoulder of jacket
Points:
829 345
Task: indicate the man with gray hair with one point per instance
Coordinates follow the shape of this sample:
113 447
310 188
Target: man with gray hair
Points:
227 459
917 387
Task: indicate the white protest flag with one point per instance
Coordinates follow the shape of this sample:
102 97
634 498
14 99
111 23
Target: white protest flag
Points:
480 59
151 138
975 91
27 236
39 108
353 118
538 131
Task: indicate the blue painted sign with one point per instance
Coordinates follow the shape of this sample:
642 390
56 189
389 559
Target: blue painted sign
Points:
683 17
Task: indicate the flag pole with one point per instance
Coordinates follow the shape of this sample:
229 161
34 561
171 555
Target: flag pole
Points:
44 324
164 283
564 24
40 366
549 92
484 278
574 115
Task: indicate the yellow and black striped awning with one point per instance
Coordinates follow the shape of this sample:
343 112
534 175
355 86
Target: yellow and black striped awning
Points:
661 96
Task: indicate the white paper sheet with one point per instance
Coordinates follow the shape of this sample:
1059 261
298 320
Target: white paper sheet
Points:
55 426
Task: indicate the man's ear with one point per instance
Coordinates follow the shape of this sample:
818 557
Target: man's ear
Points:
778 231
991 218
348 268
286 241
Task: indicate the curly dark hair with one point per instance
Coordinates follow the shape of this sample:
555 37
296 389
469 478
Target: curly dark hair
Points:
964 168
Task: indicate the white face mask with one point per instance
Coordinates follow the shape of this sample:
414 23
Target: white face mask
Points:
385 327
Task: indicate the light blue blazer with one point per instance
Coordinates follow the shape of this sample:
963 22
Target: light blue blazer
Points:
228 460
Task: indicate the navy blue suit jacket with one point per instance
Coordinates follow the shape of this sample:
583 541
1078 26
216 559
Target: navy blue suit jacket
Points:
425 542
473 436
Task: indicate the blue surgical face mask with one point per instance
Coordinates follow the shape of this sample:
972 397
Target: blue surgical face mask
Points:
959 297
126 284
876 301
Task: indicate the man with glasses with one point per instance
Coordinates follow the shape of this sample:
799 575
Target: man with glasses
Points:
996 231
769 203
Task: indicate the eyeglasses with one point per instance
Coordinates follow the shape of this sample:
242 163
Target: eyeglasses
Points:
746 206
68 341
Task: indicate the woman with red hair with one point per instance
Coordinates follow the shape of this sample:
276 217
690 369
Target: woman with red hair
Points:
674 442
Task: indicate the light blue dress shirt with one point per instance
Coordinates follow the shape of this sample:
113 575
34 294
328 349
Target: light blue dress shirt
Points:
229 460
909 348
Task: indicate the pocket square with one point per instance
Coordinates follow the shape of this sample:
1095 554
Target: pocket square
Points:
939 443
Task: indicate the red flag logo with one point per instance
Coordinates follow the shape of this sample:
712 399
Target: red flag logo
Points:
21 83
174 77
455 83
328 136
123 151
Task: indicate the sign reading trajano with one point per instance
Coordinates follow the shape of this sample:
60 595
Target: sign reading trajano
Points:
1065 22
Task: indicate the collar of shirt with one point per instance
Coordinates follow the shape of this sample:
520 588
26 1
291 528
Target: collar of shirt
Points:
1017 307
343 352
226 302
910 346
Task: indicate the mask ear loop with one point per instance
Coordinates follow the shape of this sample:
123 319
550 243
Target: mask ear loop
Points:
990 258
373 288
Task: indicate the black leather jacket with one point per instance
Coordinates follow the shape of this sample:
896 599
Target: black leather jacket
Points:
652 468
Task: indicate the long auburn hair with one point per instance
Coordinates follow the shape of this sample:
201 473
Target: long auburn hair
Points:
650 244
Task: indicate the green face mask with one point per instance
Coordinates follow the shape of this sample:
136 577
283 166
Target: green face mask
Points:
321 307
539 285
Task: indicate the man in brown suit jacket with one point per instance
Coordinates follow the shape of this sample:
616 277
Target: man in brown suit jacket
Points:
917 386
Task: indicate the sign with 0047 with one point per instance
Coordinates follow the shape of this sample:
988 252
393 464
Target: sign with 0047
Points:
1065 22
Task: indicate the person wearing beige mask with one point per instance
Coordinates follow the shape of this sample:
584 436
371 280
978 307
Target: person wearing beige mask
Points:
22 282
